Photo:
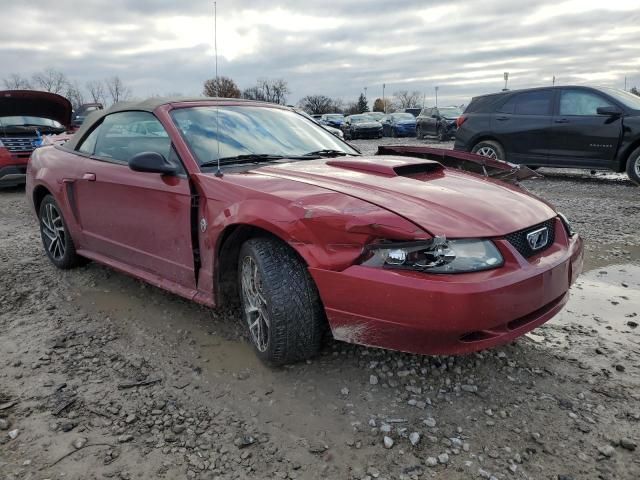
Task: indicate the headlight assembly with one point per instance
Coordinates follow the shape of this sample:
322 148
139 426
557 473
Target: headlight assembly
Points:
438 255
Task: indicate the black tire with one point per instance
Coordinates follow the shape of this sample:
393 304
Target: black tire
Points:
633 166
419 134
394 134
488 146
56 239
442 136
291 304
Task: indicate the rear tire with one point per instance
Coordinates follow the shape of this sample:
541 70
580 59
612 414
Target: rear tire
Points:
633 166
56 239
280 302
489 148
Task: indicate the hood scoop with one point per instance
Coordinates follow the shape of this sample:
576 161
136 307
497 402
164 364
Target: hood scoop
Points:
389 166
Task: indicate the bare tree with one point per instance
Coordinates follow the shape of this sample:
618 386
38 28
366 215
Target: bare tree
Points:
118 92
223 87
96 91
50 80
74 94
406 99
15 81
268 90
253 93
319 104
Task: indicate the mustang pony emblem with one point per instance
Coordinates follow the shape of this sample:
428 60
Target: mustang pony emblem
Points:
538 238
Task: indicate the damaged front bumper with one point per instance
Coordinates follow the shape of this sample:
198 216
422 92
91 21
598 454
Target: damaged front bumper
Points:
450 314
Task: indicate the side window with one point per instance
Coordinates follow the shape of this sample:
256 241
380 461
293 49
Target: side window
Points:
533 103
581 102
88 145
509 106
125 134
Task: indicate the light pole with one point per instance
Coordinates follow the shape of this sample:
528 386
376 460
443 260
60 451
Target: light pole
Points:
437 96
384 103
506 79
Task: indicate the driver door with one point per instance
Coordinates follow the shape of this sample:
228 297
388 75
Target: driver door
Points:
139 219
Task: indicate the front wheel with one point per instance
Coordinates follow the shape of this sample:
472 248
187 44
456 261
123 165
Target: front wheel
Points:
633 166
280 303
489 148
58 244
442 135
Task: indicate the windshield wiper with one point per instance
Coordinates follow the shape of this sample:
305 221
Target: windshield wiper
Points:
327 152
246 158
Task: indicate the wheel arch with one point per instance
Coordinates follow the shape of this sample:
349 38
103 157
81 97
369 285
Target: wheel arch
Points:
39 192
227 254
626 155
484 138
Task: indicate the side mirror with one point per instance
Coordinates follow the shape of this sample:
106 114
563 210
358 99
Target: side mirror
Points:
611 111
151 162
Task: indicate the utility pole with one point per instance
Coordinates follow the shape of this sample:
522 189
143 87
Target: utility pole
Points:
384 103
506 79
437 96
625 83
553 82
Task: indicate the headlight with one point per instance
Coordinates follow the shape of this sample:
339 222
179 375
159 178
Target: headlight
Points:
435 256
567 225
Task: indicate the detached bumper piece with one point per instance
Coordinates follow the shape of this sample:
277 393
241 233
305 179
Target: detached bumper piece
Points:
469 162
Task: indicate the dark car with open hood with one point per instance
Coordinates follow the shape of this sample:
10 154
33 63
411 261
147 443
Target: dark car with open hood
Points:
232 201
25 116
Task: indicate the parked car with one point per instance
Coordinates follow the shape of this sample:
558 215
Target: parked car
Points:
336 131
84 110
334 120
377 116
413 111
361 126
439 122
569 126
399 125
25 116
250 202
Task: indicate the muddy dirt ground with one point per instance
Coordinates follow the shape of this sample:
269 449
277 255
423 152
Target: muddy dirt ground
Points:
102 376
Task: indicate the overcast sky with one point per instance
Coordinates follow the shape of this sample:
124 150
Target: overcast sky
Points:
331 47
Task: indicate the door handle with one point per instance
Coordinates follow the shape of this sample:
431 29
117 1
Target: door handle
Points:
91 177
561 120
502 119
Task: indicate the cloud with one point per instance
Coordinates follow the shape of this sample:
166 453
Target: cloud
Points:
331 47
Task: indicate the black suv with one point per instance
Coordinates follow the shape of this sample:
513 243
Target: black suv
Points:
585 127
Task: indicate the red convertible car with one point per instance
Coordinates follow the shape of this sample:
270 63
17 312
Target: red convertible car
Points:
222 200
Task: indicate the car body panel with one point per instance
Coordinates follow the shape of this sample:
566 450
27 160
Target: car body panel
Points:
170 231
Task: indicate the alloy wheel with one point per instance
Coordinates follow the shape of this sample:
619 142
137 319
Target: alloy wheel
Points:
636 166
255 305
53 231
487 152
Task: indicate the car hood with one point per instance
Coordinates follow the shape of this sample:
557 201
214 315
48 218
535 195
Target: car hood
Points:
440 200
366 125
407 123
30 103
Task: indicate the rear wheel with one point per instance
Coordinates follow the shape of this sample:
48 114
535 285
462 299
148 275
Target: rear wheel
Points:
489 148
281 305
633 166
58 244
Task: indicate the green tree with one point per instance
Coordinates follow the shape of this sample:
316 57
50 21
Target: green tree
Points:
362 104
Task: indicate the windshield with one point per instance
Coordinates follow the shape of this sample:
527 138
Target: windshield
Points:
450 112
403 116
334 116
376 115
628 99
361 118
245 130
31 121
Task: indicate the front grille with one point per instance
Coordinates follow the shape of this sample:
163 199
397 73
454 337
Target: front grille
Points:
18 144
519 239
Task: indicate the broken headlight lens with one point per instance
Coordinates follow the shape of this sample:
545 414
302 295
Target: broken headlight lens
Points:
435 256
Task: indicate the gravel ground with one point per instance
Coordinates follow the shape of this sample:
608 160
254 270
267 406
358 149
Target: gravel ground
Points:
103 376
